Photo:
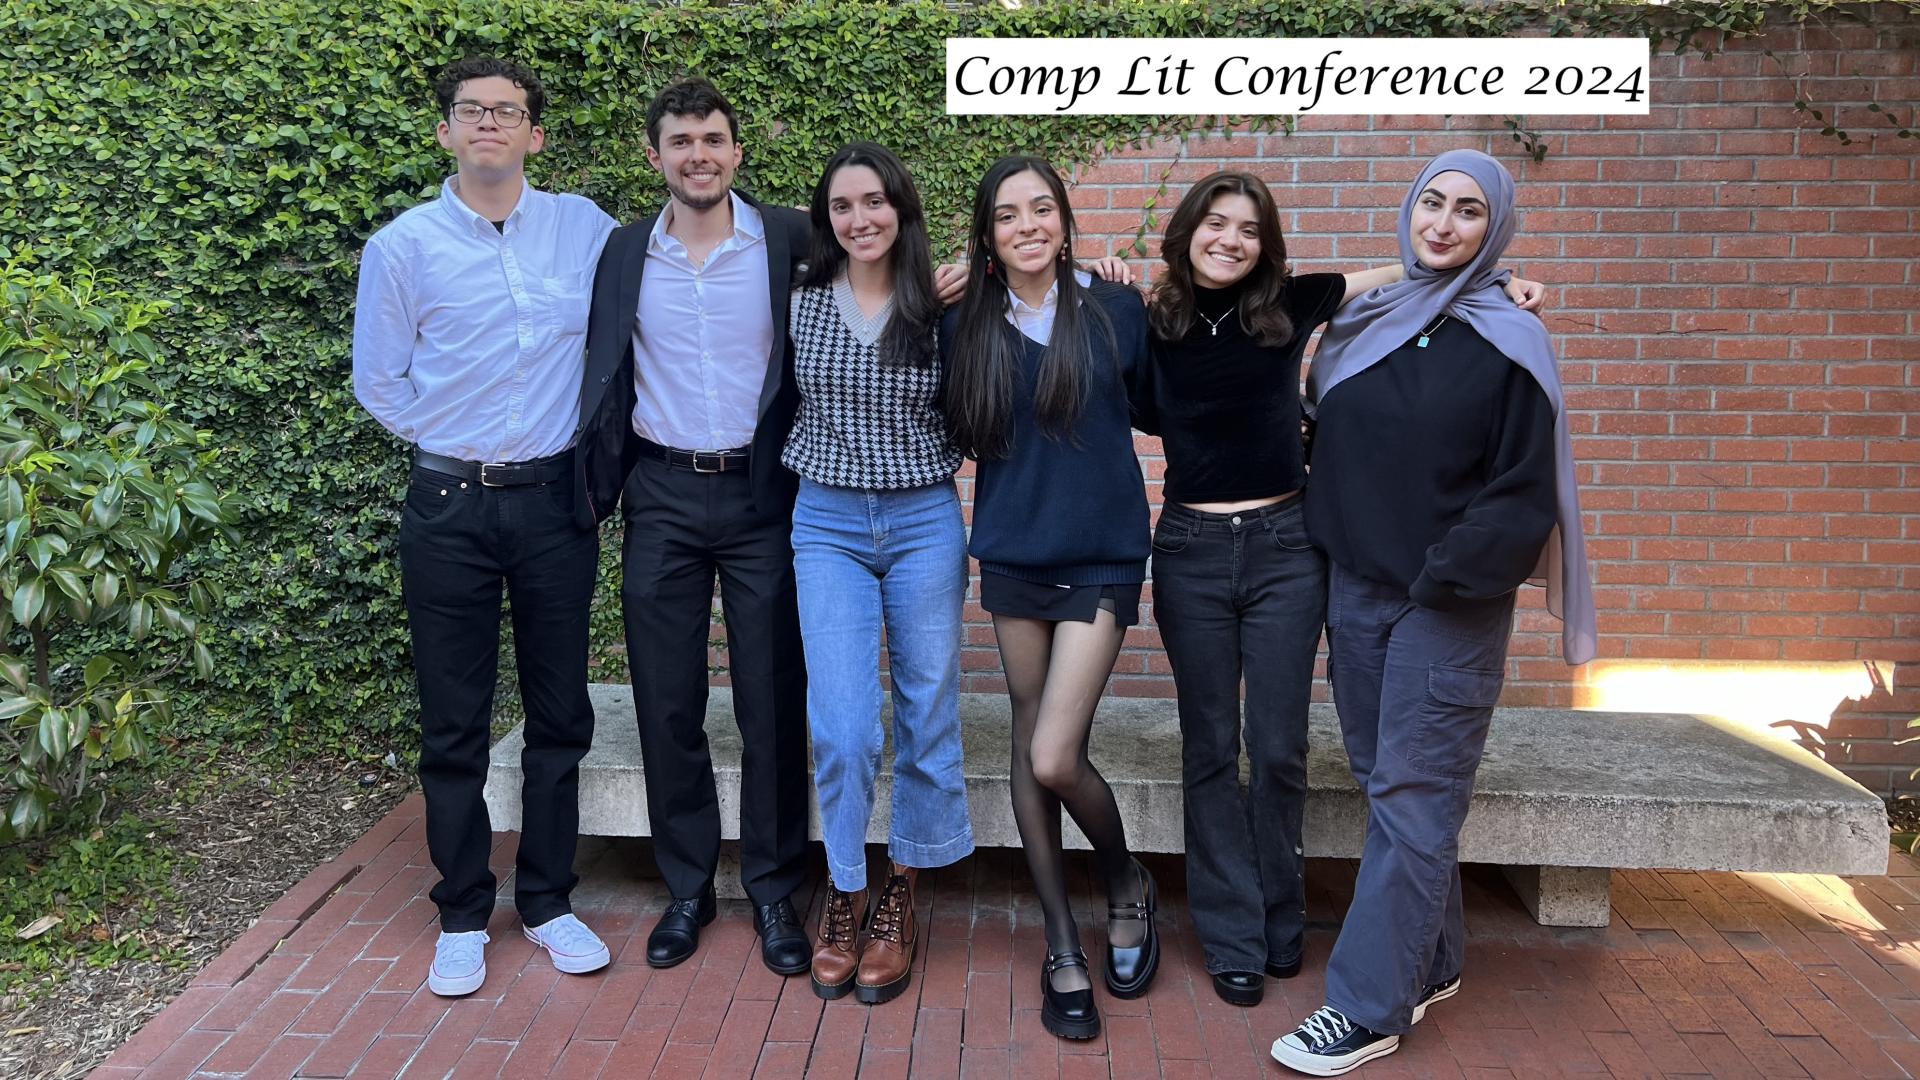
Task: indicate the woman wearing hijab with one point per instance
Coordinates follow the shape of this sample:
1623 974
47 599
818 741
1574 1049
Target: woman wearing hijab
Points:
1442 480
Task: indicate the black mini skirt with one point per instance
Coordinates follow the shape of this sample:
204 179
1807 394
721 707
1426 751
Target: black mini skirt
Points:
1017 599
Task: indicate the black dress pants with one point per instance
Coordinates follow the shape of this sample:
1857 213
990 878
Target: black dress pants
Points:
683 527
460 544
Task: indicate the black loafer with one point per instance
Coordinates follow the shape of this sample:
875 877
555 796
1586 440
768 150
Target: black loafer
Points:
1240 987
783 942
1069 1014
1284 969
1130 970
677 933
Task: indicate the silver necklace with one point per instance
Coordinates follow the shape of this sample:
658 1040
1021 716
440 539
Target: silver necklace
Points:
1428 332
1213 325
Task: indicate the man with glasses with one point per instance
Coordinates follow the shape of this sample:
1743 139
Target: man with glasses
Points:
468 343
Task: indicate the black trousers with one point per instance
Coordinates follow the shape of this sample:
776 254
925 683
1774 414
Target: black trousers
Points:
683 527
460 544
1242 596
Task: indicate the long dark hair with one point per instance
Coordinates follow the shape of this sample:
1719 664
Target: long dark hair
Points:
984 361
908 339
1263 314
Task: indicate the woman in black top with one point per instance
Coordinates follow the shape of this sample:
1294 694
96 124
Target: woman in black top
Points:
1239 590
1037 364
1443 479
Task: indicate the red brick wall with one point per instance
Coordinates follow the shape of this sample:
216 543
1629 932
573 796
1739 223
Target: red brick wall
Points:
1734 300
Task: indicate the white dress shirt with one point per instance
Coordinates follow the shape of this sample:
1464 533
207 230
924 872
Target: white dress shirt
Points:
468 340
703 337
1037 322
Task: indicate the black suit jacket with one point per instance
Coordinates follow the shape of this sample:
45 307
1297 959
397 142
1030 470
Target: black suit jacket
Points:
607 448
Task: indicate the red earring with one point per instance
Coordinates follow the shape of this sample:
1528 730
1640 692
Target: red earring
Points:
989 266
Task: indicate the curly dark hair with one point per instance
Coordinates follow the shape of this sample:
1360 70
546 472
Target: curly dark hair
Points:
692 96
447 86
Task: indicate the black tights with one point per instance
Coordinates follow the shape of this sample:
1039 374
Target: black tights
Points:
1055 674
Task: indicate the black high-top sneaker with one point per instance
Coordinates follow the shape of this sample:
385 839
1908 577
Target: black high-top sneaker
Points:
1439 991
1329 1044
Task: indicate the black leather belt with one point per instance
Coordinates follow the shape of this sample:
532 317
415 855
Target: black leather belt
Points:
544 470
700 461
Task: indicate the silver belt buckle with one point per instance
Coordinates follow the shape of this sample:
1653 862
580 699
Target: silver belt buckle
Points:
484 482
719 459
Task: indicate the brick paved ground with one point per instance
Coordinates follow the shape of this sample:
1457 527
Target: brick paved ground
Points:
1700 974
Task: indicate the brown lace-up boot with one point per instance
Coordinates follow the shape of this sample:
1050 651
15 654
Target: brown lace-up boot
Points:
836 952
886 962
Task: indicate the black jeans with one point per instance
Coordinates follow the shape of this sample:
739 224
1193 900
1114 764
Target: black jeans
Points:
460 544
1237 596
682 528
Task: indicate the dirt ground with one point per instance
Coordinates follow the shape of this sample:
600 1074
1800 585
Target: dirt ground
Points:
248 833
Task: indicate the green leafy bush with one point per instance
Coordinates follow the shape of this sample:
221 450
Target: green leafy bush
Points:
104 494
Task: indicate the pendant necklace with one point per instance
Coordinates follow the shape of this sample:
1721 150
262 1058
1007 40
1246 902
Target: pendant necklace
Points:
1213 325
1428 332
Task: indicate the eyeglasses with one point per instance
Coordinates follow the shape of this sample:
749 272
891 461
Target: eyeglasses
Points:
471 112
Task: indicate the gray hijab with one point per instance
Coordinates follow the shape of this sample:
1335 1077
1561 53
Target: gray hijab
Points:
1381 320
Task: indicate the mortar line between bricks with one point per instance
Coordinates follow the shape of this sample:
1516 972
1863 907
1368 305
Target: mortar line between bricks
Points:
296 923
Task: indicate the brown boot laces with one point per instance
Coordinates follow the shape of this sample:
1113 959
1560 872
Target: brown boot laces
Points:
840 928
890 915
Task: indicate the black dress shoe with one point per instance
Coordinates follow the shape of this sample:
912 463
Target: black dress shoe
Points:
1068 1014
1130 970
1284 969
677 933
783 942
1240 987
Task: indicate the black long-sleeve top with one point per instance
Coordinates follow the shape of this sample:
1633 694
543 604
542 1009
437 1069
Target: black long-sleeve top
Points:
1228 408
1433 470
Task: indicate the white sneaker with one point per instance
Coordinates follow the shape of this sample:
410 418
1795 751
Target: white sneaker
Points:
459 963
575 949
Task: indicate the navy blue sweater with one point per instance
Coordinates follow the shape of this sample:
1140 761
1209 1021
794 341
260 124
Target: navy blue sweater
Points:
1070 511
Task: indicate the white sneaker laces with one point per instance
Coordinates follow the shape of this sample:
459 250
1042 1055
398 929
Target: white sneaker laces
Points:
460 952
1326 1026
568 935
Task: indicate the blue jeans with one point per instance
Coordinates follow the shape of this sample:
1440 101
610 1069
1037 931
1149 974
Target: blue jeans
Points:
866 561
1415 689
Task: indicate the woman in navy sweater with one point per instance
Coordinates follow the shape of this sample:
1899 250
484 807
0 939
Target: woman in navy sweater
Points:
1037 363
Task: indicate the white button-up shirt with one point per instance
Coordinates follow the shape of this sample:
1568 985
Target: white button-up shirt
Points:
1037 322
469 340
702 337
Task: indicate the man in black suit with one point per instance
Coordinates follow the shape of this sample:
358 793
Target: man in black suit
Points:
688 397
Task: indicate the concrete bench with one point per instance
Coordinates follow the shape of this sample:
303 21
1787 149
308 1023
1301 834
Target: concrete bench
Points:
1563 797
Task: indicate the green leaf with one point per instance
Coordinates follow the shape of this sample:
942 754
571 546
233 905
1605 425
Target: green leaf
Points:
106 589
11 707
99 668
106 507
28 599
